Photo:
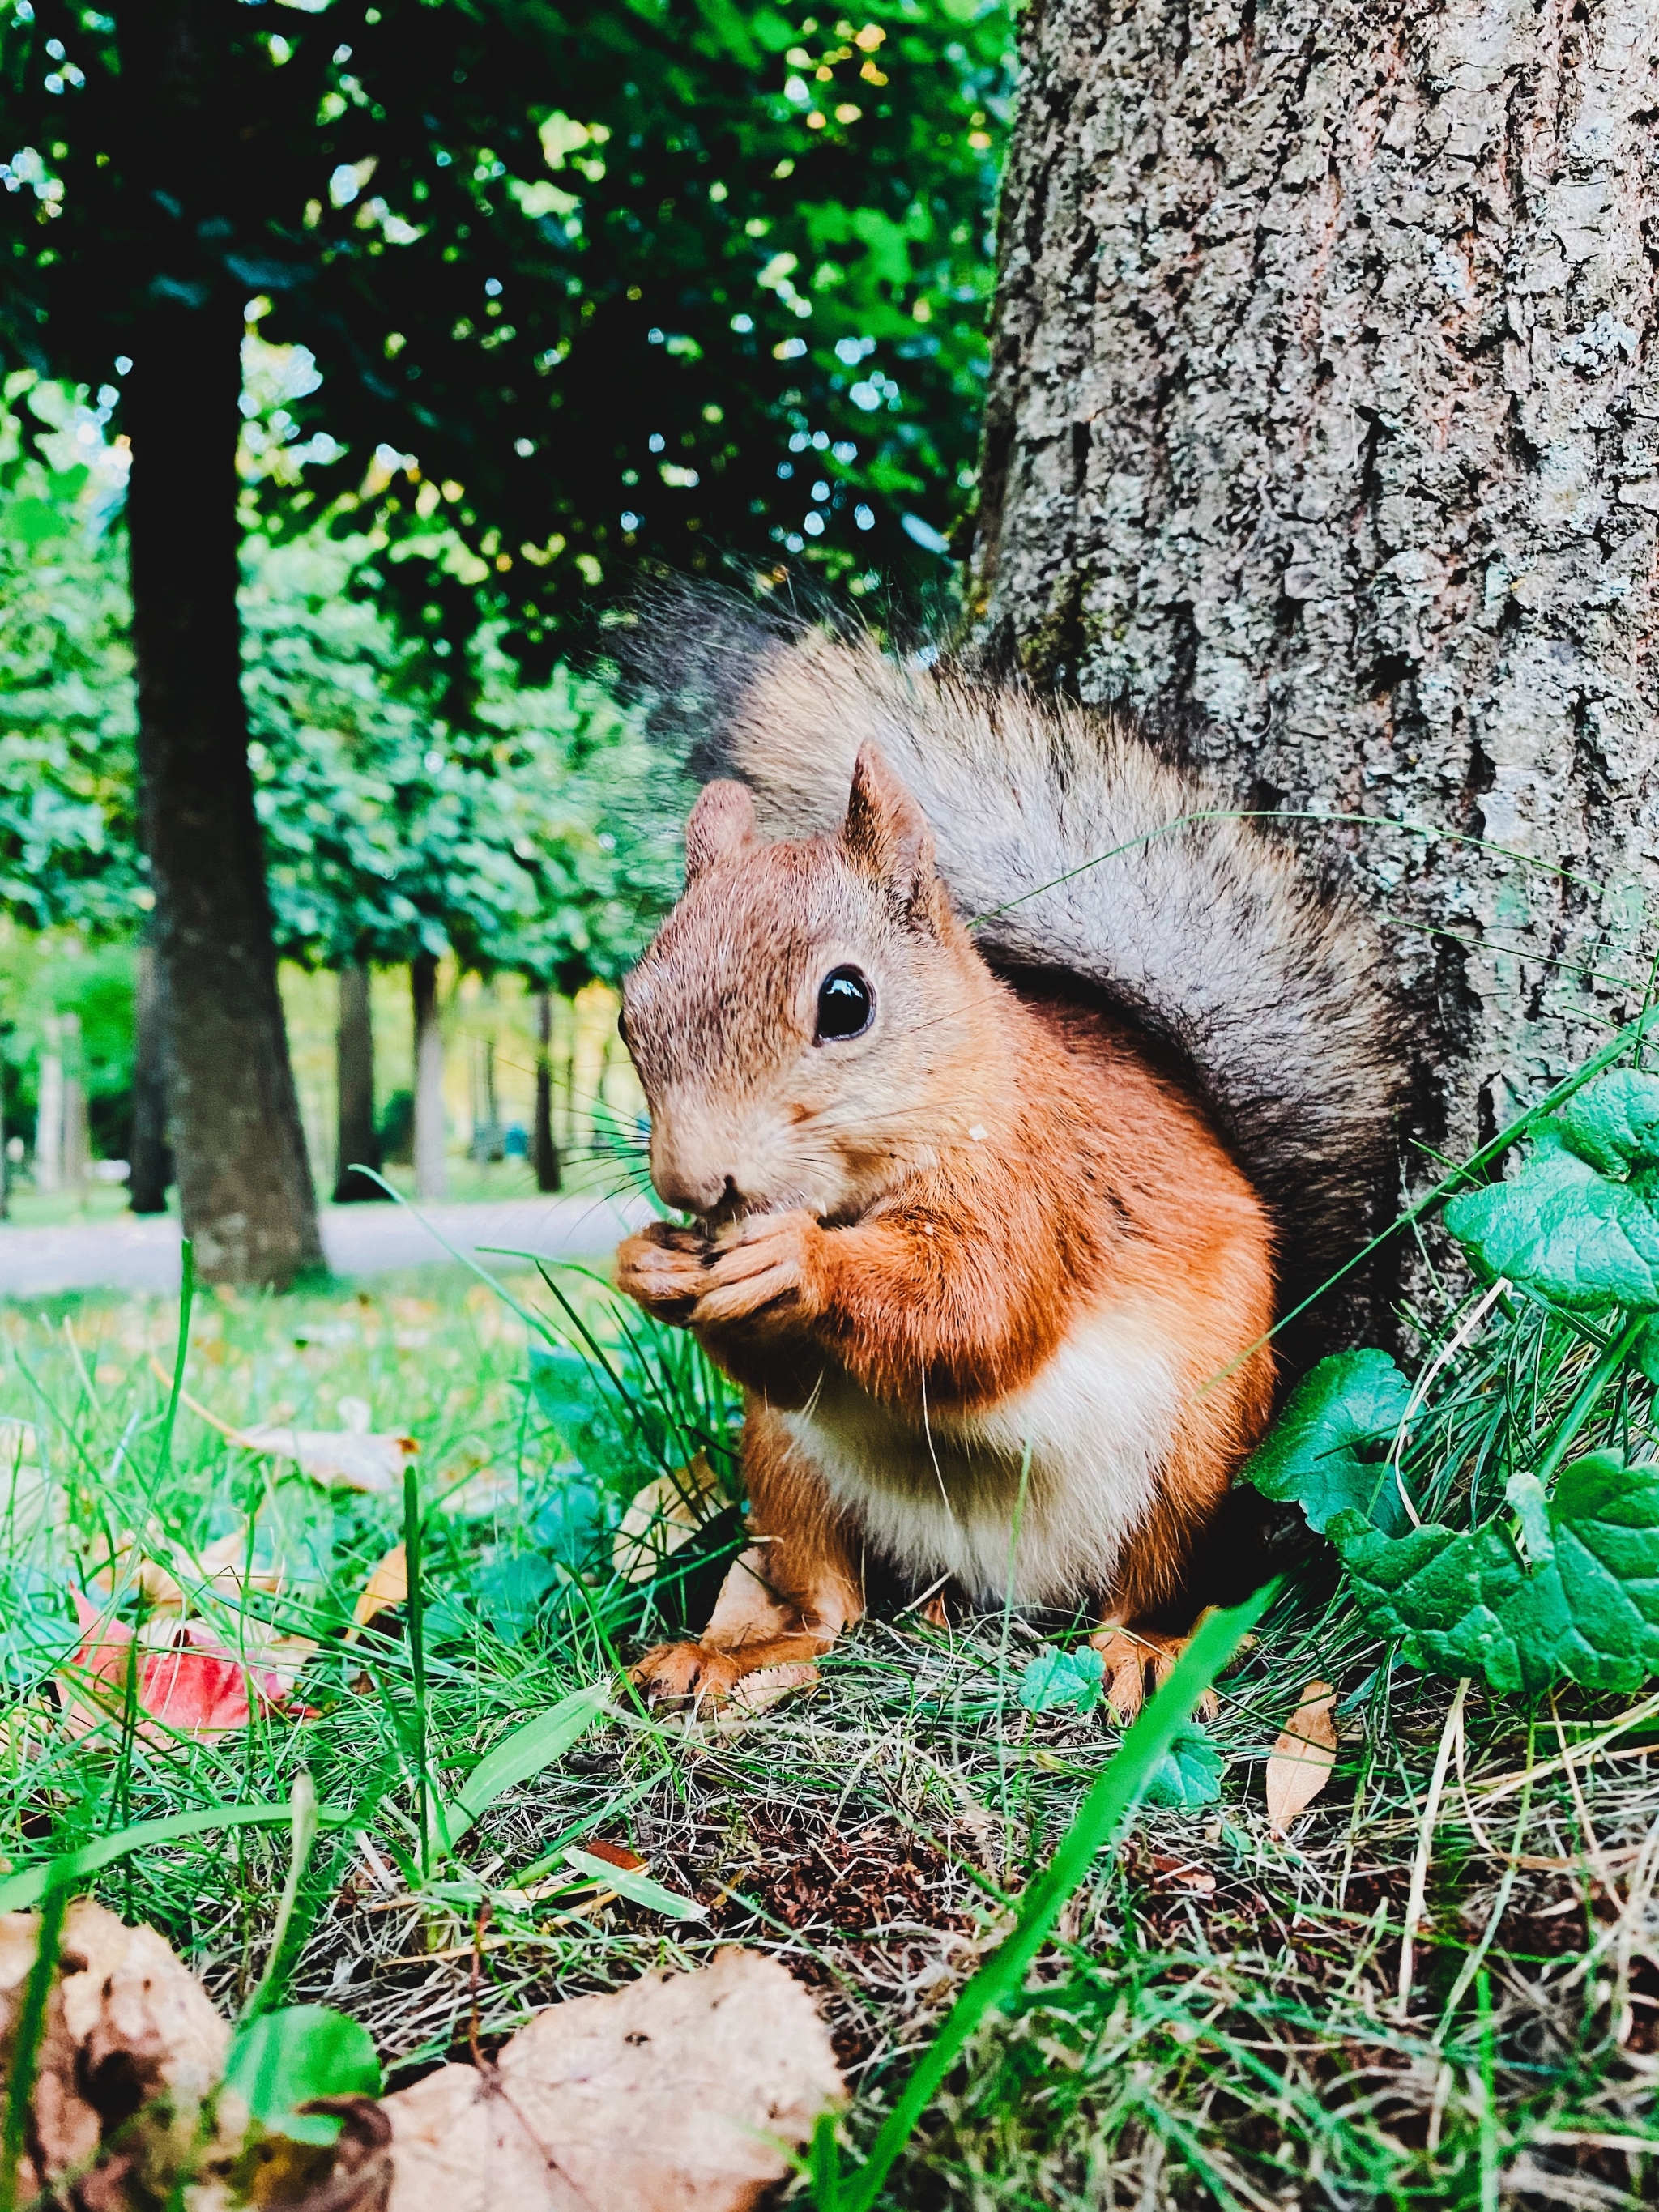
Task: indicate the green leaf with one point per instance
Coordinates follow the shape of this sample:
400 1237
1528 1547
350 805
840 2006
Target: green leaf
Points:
1582 1607
1189 1773
1327 1450
1575 1224
522 1755
284 2059
1058 1681
637 1888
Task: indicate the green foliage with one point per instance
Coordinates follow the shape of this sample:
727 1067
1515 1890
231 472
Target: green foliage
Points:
1189 1776
1061 1681
1577 1225
1326 1453
1571 1593
543 839
68 842
283 2060
602 288
1561 1583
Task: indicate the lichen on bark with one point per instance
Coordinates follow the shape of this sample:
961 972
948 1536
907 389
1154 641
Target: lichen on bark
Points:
1325 402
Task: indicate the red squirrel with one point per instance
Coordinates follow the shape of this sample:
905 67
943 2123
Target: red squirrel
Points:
1014 1090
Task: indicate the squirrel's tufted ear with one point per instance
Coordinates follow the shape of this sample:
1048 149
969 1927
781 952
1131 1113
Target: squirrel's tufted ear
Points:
722 823
887 838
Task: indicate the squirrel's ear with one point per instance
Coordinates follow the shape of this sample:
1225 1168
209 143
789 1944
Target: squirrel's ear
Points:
722 823
886 837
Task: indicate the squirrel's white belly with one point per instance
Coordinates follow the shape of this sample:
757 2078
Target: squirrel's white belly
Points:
940 1497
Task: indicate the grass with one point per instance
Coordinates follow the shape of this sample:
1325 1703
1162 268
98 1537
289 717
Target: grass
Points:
1216 2017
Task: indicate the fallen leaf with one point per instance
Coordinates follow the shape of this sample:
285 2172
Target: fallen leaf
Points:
616 1854
1303 1758
194 1685
388 1585
664 1515
222 1570
345 1459
752 1695
133 2047
678 2093
1189 1874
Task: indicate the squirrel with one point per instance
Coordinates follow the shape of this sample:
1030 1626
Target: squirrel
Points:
1014 1088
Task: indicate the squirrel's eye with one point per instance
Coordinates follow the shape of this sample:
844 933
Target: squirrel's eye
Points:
846 1004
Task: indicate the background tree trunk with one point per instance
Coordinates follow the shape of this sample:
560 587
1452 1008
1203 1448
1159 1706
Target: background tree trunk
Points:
244 1183
150 1166
1325 401
431 1168
545 1153
359 1142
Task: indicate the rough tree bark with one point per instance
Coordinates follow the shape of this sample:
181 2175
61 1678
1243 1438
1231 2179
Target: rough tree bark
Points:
1325 402
359 1141
244 1183
431 1169
150 1166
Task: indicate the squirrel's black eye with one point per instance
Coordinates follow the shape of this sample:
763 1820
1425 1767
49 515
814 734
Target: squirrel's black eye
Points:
846 1004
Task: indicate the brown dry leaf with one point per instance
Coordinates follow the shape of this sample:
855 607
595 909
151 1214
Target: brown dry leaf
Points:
388 1585
1303 1758
345 1459
666 1514
129 2030
221 1569
756 1693
670 2096
616 1854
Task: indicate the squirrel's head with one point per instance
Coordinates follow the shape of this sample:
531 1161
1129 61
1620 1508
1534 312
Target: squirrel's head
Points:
804 1024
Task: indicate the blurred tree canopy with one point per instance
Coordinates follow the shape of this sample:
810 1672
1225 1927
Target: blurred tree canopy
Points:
68 844
567 292
659 282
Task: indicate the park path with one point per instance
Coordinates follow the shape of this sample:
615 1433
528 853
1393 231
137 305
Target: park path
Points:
132 1253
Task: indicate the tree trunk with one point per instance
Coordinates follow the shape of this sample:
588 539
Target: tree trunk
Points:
431 1169
359 1142
244 1183
76 1155
1325 402
544 1152
49 1109
150 1166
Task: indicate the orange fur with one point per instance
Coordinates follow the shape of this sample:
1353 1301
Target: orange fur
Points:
909 1247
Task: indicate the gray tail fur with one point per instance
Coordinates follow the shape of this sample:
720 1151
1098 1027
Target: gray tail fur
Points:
1070 846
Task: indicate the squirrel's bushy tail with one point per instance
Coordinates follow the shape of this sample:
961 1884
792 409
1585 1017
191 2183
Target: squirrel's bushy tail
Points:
1073 847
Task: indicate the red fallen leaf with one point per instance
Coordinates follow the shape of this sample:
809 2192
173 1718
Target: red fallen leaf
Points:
616 1854
193 1684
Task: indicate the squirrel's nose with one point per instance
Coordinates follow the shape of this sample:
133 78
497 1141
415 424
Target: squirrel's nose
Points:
691 1187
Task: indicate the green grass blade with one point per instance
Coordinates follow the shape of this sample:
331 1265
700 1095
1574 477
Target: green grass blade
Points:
186 1299
26 2051
21 1891
1113 1794
522 1755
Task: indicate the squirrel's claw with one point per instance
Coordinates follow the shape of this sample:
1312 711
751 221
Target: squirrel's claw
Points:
770 1263
665 1277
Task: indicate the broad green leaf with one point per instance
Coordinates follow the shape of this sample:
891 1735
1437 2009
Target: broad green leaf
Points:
284 2059
1189 1773
1581 1606
510 1591
1327 1450
1575 1224
1057 1681
637 1888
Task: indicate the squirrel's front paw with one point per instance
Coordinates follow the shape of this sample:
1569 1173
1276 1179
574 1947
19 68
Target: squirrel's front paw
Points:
703 1675
664 1269
774 1265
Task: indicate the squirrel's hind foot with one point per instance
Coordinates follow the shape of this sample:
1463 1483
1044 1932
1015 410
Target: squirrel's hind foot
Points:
1137 1658
706 1674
